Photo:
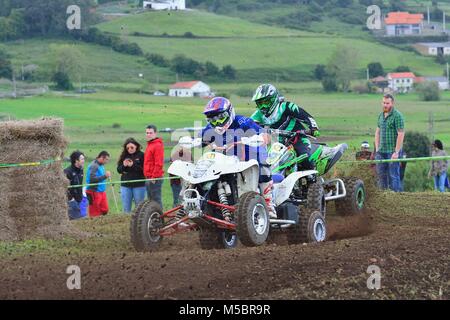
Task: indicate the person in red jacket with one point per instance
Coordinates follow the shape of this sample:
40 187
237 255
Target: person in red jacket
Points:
154 164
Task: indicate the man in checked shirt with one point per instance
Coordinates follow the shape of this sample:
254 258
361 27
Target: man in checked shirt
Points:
388 144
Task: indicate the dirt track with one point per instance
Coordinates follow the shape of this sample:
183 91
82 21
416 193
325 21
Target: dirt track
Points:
407 236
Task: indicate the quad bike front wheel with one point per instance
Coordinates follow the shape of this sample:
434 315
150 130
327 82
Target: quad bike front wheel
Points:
316 197
354 201
252 219
145 224
311 227
213 238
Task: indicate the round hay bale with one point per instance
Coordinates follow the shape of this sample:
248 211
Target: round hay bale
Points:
33 201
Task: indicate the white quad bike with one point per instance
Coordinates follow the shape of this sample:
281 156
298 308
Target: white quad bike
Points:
221 200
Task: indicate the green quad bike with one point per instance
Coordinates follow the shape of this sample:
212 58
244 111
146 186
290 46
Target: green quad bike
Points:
300 195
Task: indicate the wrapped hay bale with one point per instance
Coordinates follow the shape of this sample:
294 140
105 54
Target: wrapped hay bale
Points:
33 201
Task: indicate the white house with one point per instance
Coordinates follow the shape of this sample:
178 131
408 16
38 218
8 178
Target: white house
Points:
433 48
403 23
190 89
401 81
165 4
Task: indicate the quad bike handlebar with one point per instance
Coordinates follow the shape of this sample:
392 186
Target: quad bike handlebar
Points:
291 134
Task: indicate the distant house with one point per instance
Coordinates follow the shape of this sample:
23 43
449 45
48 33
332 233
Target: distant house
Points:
401 81
190 89
403 23
433 48
441 81
381 83
165 5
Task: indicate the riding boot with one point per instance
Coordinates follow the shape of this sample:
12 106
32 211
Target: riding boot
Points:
266 191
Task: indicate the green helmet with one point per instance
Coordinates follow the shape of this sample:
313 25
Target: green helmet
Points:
266 98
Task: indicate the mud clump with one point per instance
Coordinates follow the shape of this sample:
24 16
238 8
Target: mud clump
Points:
33 201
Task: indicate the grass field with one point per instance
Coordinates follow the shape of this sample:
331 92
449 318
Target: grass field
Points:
89 119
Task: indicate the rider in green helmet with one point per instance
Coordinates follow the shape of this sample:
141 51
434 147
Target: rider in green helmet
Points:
276 113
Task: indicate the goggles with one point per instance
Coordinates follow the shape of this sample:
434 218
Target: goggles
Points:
218 119
264 103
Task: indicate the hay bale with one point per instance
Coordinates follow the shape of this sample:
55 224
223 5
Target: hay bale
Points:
33 201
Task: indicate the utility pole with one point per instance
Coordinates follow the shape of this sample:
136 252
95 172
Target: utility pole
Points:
14 85
443 21
428 15
431 127
367 74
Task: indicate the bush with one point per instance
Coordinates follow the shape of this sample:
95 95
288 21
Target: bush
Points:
402 69
361 88
62 81
189 35
229 72
157 60
94 35
329 83
184 65
116 125
428 91
211 69
416 144
319 71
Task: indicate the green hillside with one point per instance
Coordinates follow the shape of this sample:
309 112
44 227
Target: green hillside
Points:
100 64
197 22
249 51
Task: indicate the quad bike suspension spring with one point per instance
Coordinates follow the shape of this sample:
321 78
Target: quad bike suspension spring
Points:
222 189
181 213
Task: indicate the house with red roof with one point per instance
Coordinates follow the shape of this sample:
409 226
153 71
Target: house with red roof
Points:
190 89
401 81
403 23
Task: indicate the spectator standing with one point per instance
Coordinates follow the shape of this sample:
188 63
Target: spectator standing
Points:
75 175
131 167
438 167
154 164
183 154
389 137
96 174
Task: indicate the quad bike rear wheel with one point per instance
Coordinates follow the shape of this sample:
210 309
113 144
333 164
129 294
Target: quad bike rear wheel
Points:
310 228
354 201
213 238
252 219
145 224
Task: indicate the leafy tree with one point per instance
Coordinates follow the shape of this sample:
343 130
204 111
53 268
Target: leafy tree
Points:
375 69
184 65
229 72
62 81
341 68
402 69
320 71
6 70
211 69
